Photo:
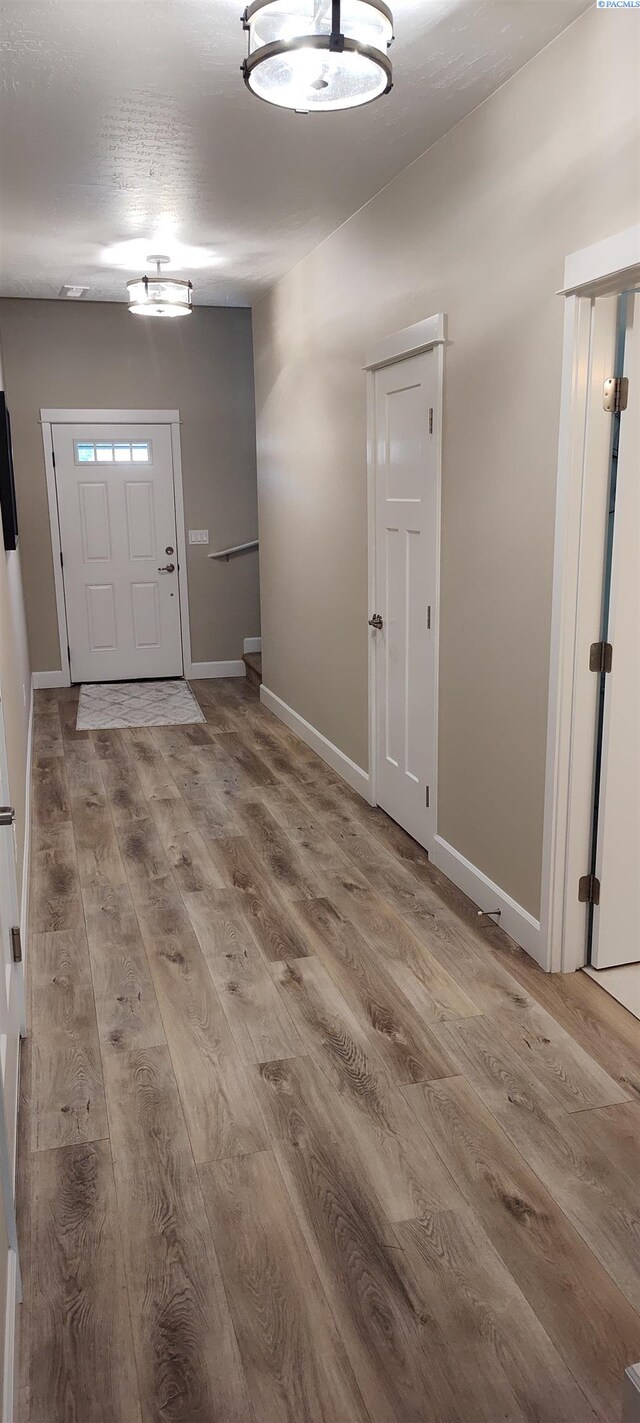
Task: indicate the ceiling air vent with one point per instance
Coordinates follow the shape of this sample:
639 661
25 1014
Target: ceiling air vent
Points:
73 293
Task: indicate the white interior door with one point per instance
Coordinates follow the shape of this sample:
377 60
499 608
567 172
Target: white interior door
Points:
406 541
616 919
120 566
12 1020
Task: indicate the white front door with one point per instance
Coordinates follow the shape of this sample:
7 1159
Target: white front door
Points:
616 919
119 555
406 562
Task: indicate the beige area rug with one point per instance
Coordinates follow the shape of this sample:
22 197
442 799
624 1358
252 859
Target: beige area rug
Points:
115 705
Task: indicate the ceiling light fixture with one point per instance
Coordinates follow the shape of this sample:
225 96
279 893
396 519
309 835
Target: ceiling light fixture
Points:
159 295
316 56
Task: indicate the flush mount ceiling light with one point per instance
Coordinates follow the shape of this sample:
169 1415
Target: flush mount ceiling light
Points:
316 56
159 295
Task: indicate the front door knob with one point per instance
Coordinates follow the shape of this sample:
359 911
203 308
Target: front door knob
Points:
168 568
375 621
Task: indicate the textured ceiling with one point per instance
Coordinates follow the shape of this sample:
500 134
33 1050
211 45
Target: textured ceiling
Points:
126 128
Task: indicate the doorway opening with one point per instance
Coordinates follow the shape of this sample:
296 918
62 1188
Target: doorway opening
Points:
591 895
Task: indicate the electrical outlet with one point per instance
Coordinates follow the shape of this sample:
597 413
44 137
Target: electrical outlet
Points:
198 536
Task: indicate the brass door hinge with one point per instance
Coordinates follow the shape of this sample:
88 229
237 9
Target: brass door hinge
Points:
16 944
600 657
615 395
589 889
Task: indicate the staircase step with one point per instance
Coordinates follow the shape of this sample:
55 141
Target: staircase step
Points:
253 664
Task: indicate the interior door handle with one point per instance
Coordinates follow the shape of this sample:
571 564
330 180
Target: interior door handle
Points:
375 621
168 568
7 815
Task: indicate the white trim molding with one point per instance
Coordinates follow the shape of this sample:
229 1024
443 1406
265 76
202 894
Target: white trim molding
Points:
200 671
252 644
606 266
516 921
334 757
110 417
603 269
49 418
408 342
42 680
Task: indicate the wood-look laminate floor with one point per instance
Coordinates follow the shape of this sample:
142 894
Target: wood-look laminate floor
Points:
299 1143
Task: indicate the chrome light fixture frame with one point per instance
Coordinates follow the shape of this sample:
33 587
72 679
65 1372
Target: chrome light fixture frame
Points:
334 42
154 304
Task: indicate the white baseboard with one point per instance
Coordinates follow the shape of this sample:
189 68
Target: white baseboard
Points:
252 644
200 670
49 679
9 1363
352 774
631 1405
516 921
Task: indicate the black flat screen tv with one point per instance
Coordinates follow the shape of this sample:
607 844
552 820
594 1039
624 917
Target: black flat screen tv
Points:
7 483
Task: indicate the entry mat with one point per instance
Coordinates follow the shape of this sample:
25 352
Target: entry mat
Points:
107 705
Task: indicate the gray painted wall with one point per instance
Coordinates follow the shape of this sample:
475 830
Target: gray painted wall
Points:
478 228
96 355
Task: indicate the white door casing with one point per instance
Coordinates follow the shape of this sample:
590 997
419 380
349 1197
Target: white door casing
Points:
616 919
117 519
405 435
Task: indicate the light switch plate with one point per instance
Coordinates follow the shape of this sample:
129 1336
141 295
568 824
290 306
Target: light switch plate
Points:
198 536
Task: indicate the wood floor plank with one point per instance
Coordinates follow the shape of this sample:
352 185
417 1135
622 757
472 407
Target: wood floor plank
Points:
143 855
188 1365
254 767
405 1173
47 733
272 923
282 970
260 1023
600 1202
219 1105
574 1078
68 1093
51 795
410 1050
601 1026
55 901
99 859
434 990
184 847
294 1361
278 856
364 1279
511 1369
82 1363
591 1323
126 1005
150 765
123 791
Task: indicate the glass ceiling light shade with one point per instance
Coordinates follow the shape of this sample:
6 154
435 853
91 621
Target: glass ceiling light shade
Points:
316 56
159 295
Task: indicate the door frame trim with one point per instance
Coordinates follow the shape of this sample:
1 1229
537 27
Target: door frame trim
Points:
50 417
603 269
427 335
